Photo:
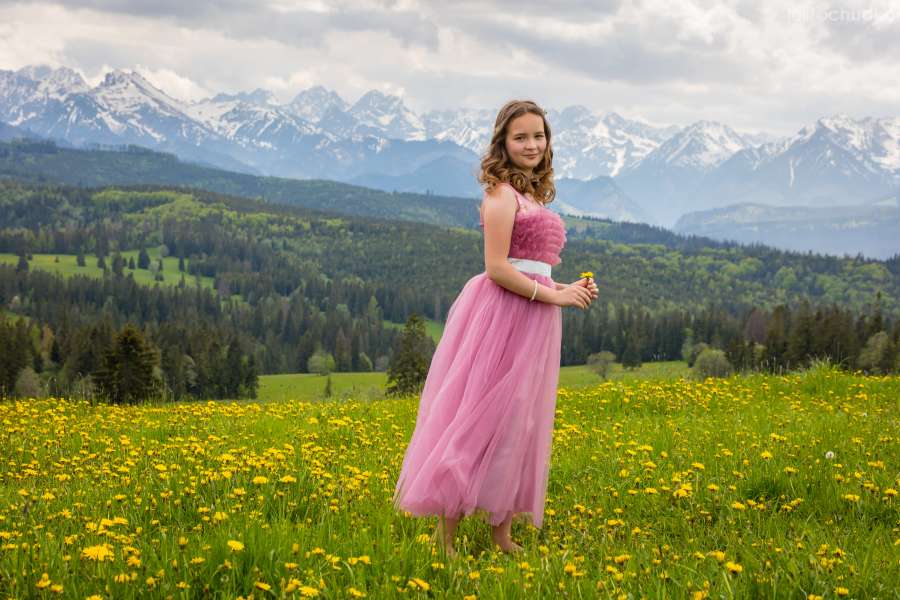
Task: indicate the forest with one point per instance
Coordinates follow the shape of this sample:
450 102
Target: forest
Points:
291 283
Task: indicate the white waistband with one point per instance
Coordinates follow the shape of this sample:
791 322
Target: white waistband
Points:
530 266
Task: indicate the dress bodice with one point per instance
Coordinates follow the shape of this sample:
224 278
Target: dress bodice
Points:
538 232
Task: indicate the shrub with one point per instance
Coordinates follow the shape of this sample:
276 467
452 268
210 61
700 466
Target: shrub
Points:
600 362
711 362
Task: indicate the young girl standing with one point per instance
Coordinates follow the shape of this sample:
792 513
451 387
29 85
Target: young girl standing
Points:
484 427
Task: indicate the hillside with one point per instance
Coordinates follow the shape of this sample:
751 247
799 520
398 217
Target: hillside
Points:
45 162
42 162
870 229
400 254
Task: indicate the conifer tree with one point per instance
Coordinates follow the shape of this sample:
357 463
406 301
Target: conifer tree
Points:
126 376
408 367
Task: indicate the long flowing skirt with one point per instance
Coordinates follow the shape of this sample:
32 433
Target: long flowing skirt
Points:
482 440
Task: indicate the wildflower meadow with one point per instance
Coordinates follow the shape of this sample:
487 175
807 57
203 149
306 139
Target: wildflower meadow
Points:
745 487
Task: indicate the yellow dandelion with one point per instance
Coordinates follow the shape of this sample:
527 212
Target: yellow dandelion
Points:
98 553
420 583
587 274
44 581
262 585
235 545
841 591
260 480
733 567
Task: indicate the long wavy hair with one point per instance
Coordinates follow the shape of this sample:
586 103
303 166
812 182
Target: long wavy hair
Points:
496 166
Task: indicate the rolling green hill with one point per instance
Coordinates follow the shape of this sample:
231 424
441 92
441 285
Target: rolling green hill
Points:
215 233
44 162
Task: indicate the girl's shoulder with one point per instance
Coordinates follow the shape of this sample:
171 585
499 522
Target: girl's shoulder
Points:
498 191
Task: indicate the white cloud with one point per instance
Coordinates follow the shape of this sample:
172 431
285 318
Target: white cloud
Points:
755 65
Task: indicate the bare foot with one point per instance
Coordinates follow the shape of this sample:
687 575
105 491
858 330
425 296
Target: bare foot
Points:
448 546
507 545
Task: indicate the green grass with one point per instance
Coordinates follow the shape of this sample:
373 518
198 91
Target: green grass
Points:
67 266
305 386
657 489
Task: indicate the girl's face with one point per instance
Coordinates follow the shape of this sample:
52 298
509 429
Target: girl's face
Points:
526 141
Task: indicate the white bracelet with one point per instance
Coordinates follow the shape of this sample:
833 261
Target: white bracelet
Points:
534 293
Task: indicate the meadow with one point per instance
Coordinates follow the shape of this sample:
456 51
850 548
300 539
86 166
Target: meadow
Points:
346 386
751 486
67 266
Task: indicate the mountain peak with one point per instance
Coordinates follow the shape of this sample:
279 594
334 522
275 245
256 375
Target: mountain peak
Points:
374 99
51 81
316 102
257 96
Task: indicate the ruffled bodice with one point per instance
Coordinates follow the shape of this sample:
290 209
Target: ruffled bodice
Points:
538 232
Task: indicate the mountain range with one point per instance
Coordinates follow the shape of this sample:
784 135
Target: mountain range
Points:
606 165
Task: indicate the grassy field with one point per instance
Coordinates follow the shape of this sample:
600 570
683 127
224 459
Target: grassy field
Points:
747 487
304 386
67 266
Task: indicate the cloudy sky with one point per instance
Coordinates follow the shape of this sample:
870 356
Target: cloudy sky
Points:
757 65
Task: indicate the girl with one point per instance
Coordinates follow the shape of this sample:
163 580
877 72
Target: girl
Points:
484 427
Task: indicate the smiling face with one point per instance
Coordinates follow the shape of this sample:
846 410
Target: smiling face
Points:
526 141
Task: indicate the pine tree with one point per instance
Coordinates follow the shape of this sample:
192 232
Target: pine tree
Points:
22 267
143 259
631 357
409 363
126 375
118 264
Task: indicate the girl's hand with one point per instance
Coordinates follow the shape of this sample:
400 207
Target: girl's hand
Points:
574 294
588 282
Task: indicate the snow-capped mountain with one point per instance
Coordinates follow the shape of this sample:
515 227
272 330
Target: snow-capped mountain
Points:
837 161
585 144
469 127
659 172
314 103
379 113
666 179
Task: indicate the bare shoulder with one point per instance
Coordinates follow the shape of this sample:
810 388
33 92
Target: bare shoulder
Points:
500 194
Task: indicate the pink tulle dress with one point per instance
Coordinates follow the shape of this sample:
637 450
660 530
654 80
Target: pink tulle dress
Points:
483 432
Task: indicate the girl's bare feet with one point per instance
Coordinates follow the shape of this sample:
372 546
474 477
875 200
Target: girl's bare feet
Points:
500 535
448 546
507 545
444 532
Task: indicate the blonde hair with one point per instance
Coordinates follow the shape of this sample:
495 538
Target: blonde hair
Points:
496 166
